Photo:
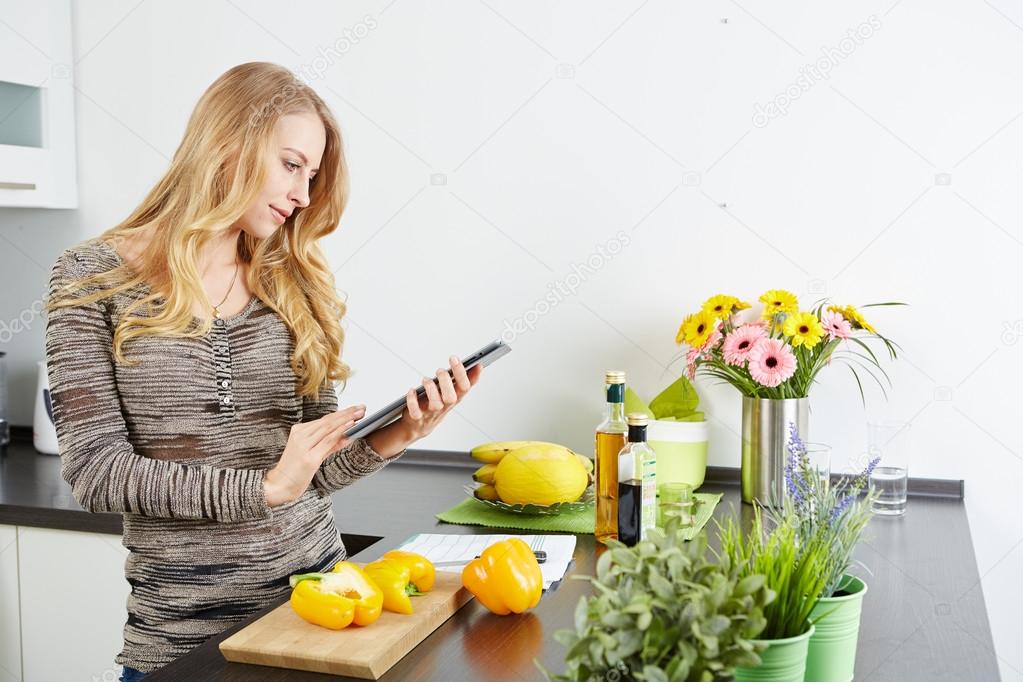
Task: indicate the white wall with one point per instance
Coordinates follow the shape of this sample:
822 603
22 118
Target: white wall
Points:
497 146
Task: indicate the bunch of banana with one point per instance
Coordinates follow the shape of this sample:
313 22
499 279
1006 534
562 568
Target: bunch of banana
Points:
531 472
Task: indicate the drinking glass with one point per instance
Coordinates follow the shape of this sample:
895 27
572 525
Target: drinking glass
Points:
818 456
892 443
676 499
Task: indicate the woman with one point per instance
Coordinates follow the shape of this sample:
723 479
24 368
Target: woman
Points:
192 352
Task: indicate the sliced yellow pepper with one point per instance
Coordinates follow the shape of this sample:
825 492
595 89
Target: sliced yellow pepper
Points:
421 572
506 578
337 599
393 580
401 575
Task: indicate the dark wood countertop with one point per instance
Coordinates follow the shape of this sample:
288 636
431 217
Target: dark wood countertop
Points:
924 616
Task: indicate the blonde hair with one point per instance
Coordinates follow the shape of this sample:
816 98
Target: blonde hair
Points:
217 172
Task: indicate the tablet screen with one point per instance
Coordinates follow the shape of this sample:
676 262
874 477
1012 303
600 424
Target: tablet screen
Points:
484 356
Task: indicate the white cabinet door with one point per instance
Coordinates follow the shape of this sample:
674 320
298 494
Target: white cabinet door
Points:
37 108
10 627
73 604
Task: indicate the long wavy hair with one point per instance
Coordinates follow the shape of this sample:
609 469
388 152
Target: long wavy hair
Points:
217 172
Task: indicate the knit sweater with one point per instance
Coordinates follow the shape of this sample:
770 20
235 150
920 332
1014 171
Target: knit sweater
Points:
179 444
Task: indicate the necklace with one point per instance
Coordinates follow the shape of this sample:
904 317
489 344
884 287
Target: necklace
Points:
216 308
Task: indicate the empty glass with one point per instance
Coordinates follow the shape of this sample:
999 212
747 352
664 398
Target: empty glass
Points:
676 499
818 455
892 443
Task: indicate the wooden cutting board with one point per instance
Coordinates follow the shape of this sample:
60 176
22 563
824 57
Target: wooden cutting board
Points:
283 640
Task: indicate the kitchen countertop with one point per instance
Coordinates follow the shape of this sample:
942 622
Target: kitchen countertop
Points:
923 617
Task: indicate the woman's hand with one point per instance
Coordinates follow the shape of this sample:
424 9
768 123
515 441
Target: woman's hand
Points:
421 415
309 444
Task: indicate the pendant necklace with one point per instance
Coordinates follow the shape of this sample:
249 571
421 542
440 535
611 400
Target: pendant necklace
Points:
216 308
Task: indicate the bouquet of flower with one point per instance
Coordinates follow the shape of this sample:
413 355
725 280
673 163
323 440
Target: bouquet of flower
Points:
826 515
779 353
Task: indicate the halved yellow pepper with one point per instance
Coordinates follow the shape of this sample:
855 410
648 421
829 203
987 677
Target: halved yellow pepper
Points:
506 577
421 572
337 599
401 575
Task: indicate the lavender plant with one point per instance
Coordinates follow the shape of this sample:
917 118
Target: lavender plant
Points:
830 515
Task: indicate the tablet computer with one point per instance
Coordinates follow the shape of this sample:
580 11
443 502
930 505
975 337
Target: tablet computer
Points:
484 356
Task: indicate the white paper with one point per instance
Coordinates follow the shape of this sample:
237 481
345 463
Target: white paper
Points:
449 547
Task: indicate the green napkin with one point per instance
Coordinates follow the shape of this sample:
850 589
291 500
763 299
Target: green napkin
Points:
472 512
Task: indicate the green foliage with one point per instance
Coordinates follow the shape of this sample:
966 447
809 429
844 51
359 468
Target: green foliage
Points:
831 515
796 574
661 611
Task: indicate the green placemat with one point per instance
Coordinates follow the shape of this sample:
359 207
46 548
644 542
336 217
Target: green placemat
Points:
472 512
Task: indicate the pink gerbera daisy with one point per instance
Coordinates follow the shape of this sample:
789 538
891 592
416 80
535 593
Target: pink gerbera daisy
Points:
835 325
692 355
771 362
713 340
740 342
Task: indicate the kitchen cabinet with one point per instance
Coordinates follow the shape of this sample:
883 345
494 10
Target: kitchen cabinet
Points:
10 626
37 121
73 604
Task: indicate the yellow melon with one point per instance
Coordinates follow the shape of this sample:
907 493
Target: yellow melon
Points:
540 474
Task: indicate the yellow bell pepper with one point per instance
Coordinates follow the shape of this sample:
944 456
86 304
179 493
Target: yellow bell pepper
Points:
337 599
401 575
393 580
421 572
505 578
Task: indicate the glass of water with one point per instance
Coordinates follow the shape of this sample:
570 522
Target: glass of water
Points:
818 456
892 442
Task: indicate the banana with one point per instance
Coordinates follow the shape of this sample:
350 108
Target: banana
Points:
491 453
487 492
587 462
485 474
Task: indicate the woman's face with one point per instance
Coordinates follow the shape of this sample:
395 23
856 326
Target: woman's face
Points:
292 163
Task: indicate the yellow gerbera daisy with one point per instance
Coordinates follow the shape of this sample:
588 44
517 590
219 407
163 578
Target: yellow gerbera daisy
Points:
855 318
779 301
723 305
804 328
696 329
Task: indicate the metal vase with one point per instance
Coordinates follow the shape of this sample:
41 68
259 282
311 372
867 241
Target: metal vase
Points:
765 436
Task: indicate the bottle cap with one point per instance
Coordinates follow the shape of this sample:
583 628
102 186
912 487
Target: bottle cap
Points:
614 376
637 419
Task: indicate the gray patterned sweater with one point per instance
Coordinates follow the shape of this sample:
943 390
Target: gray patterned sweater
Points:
179 444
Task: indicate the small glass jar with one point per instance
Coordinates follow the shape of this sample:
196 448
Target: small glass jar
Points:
676 499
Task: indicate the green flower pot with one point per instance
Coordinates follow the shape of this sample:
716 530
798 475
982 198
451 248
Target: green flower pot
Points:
784 660
832 652
681 449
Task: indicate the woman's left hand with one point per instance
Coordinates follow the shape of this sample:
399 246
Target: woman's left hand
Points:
422 414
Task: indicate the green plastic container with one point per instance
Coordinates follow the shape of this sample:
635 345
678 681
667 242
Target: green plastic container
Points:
784 660
681 449
832 653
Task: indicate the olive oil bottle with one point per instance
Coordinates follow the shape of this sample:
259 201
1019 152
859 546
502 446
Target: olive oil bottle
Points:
637 484
610 439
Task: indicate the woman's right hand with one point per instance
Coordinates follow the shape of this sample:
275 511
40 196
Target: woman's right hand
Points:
309 444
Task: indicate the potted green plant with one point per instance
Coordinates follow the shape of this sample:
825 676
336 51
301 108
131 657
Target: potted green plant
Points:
661 611
833 516
795 573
